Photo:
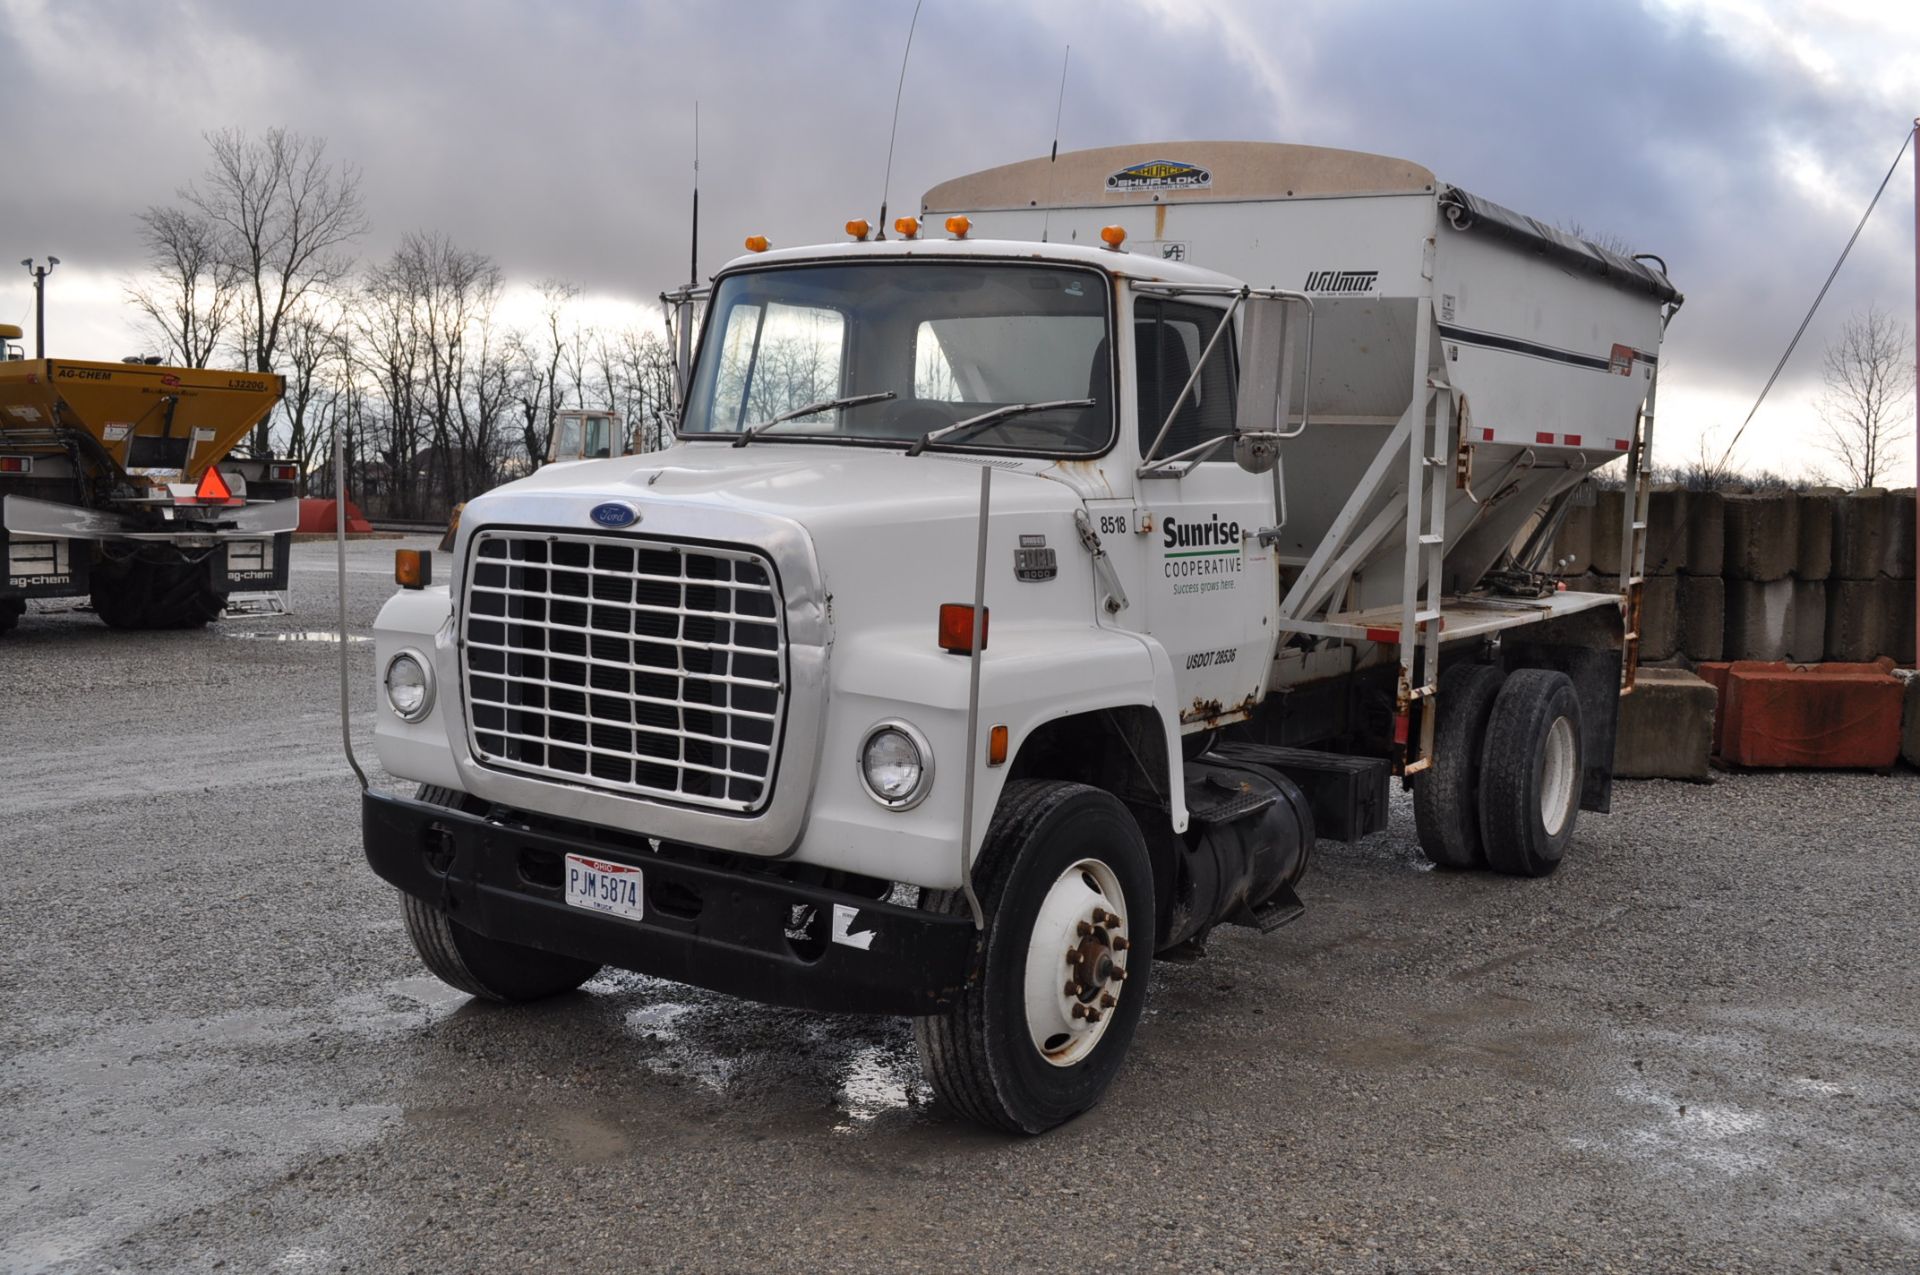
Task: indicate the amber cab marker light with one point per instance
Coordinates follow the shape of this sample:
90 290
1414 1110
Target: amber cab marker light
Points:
959 226
757 243
1113 236
858 229
956 628
412 568
997 746
906 227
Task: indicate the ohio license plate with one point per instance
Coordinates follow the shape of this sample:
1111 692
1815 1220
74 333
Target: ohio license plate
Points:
600 886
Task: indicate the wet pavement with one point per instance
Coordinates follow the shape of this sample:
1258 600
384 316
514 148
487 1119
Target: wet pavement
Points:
1693 1049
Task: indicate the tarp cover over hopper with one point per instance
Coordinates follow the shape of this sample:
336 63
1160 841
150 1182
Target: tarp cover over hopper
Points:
144 418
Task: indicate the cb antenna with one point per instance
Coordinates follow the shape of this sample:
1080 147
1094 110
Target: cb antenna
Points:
894 131
1046 218
693 255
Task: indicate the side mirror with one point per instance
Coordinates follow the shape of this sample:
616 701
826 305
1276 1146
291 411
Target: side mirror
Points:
1265 365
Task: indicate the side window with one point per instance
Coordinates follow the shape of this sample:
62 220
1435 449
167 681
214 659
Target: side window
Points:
1168 338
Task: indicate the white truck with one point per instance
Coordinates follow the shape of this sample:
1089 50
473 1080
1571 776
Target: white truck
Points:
1011 610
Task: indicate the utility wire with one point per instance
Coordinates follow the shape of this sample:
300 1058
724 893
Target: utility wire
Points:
1831 274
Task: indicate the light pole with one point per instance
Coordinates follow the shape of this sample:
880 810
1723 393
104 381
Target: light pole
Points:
40 274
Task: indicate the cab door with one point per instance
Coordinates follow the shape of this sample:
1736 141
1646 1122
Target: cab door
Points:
1210 588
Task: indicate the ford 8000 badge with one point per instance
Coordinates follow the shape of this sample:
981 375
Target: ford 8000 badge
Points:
614 513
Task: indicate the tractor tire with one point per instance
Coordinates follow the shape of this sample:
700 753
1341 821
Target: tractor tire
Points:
1531 771
11 609
1038 1036
1446 795
489 968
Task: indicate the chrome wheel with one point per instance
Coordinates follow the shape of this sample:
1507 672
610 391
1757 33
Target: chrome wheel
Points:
1076 962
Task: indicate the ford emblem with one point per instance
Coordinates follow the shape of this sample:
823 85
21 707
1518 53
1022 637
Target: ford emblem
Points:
614 513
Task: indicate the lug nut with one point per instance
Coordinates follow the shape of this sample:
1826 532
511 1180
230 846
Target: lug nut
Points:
1073 956
1118 974
1121 944
1099 916
1113 920
1079 1010
1093 1015
1083 929
1106 1000
1072 988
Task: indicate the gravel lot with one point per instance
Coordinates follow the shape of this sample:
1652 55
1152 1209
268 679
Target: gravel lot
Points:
1693 1049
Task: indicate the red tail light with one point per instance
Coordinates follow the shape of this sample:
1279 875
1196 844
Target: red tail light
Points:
956 628
16 464
278 473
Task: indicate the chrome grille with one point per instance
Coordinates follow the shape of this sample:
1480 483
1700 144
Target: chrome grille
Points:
634 666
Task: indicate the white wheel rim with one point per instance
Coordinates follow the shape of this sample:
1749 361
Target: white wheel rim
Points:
1559 772
1076 962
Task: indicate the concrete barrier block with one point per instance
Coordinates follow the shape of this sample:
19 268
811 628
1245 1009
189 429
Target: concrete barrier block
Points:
1904 618
1859 534
1862 617
1762 536
1606 533
1898 559
1573 543
1659 618
1813 555
1703 617
1798 717
1909 723
1666 530
1706 534
1715 673
1666 727
1759 619
1807 623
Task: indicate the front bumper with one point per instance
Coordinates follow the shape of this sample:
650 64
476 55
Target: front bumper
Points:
716 927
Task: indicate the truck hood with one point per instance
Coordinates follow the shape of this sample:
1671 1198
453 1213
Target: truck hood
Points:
823 487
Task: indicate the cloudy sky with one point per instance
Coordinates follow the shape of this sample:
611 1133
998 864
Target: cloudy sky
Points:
1739 140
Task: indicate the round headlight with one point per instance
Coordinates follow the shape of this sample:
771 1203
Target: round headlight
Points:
409 686
896 765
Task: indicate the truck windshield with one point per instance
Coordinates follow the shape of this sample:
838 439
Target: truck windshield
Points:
945 341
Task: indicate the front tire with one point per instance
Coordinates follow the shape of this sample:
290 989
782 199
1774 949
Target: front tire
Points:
1067 888
1531 773
489 968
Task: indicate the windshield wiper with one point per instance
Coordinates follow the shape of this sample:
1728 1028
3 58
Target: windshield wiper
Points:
825 405
993 417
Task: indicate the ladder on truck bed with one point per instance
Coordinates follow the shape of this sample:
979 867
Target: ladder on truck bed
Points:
1426 432
1636 498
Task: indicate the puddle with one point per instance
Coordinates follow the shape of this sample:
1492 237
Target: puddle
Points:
292 635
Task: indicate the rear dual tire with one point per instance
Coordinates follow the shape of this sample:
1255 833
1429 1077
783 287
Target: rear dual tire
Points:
1503 790
139 593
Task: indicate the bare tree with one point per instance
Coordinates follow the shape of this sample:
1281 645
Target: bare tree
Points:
1869 380
284 217
193 296
315 350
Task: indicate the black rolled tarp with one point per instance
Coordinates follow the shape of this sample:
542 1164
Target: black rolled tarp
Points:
1467 211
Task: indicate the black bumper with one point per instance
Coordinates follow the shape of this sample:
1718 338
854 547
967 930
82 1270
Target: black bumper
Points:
714 927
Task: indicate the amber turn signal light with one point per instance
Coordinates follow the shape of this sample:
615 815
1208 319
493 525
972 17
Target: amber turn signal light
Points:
997 746
906 227
956 628
858 228
959 226
412 568
1113 236
757 243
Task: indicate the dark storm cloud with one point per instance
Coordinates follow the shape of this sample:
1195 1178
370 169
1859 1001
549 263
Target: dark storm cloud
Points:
557 138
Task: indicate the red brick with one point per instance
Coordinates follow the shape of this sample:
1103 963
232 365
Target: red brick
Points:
1779 716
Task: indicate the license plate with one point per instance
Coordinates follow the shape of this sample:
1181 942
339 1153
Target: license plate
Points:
599 886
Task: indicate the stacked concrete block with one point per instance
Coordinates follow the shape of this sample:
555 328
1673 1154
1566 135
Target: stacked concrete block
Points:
1666 530
1762 536
1666 727
1807 622
1573 543
1607 511
1659 618
1760 617
1813 556
1703 616
1870 604
1706 535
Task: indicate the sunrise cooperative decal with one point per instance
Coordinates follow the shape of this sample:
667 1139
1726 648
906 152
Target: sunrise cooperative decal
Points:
1200 556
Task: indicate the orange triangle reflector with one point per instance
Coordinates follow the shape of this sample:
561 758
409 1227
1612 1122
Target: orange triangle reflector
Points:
212 486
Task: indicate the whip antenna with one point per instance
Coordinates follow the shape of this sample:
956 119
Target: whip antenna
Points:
1046 218
693 262
894 130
